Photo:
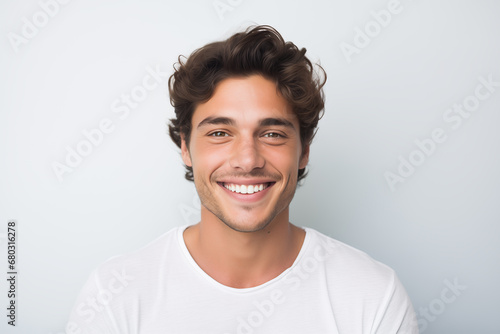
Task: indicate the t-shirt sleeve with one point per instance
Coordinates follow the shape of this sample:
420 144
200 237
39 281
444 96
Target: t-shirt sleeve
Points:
92 312
396 316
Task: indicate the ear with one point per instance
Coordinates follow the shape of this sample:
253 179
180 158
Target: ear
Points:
304 159
186 157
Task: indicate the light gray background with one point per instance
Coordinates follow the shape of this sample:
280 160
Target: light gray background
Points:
440 225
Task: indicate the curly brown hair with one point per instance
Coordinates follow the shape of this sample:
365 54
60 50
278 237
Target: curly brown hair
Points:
258 50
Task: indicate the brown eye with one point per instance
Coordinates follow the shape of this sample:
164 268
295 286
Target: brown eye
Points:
273 135
218 134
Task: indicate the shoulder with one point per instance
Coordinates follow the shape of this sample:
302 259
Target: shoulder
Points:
365 286
144 258
348 266
131 273
343 254
122 280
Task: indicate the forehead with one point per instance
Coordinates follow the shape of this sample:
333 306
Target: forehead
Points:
245 100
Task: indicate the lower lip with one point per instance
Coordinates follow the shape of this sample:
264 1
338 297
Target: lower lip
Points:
247 197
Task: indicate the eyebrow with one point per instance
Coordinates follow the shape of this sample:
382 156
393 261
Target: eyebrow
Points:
216 121
270 121
276 122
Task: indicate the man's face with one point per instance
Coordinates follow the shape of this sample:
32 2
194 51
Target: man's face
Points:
245 151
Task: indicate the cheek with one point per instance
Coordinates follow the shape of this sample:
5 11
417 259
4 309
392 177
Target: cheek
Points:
286 161
207 157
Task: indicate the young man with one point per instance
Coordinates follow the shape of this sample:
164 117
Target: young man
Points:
246 112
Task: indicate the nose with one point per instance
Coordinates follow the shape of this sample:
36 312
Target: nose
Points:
246 155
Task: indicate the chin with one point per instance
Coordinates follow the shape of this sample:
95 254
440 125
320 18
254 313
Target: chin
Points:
246 227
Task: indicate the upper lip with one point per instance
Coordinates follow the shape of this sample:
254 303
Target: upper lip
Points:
246 181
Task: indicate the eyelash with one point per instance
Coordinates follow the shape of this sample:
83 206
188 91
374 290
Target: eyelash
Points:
275 135
221 134
213 134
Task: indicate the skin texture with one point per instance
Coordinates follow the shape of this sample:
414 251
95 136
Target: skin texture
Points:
245 134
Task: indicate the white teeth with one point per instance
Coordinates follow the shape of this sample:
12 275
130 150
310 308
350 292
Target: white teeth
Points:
245 189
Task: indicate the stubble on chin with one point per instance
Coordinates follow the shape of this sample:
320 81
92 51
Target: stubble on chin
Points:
241 226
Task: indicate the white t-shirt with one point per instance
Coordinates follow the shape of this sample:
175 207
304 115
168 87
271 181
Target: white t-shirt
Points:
330 288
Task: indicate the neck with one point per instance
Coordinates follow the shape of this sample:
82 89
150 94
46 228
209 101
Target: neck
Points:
243 259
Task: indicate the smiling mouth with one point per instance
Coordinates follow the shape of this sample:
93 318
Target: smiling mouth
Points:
247 189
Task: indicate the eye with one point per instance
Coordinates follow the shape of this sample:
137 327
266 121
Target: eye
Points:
273 135
218 134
